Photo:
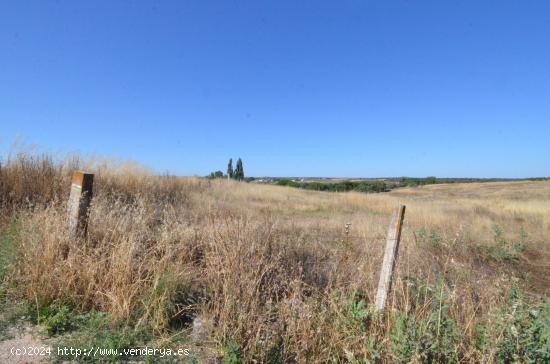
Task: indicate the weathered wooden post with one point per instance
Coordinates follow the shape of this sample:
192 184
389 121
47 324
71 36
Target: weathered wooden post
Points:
390 255
79 202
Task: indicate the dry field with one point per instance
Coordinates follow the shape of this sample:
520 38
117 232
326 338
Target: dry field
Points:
258 273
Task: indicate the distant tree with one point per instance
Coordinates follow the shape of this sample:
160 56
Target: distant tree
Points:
239 171
431 180
287 182
230 172
217 174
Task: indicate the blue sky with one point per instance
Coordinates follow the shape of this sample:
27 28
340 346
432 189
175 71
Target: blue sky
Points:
299 88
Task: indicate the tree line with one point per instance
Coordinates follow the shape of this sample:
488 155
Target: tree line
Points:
360 186
374 186
382 186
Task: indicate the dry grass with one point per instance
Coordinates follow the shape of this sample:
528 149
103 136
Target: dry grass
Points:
272 268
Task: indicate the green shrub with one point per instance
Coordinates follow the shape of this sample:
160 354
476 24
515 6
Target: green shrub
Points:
287 182
404 338
434 338
232 353
481 340
524 331
435 238
357 308
55 318
275 353
7 255
500 249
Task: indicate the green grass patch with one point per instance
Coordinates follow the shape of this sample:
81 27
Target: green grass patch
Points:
8 236
96 330
10 313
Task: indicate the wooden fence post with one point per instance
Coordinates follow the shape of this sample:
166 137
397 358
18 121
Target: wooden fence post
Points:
79 202
390 255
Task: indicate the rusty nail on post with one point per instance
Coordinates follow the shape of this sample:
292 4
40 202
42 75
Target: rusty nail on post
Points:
390 256
79 202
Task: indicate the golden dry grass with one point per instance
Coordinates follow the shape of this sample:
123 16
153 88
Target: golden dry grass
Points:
274 269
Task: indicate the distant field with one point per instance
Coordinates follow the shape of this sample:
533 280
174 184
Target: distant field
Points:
278 274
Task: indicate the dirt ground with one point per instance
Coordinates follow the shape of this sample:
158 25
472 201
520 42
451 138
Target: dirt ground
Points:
22 339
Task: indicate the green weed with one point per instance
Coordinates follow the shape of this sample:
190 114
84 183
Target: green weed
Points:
232 353
524 331
55 319
431 339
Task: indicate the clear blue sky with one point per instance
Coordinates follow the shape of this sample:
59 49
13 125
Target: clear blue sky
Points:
342 88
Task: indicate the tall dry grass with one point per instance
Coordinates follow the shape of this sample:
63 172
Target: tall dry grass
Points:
272 271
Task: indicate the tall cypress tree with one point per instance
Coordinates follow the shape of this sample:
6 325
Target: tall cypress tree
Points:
239 171
230 172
